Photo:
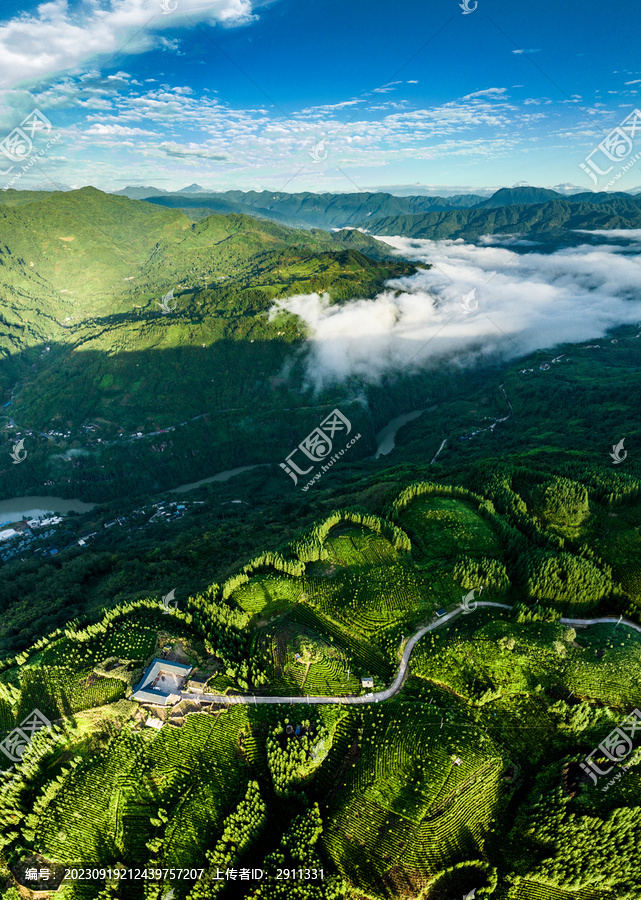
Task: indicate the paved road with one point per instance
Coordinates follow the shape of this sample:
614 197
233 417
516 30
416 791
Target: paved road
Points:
481 430
582 623
443 443
394 688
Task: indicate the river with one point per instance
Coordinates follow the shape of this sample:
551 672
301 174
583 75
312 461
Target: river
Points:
221 476
386 437
385 443
18 508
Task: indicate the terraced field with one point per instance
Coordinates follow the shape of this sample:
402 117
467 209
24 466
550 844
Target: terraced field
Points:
78 825
616 535
194 771
389 594
419 794
354 547
444 527
530 890
318 667
61 691
456 782
131 637
266 596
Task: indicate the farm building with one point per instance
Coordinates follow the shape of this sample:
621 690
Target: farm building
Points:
197 684
367 682
162 683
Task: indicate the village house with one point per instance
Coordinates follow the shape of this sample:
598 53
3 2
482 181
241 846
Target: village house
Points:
162 683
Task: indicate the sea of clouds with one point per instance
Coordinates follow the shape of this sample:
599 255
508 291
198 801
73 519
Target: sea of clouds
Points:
517 302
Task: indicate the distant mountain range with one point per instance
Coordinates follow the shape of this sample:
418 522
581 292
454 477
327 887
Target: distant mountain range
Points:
305 210
143 191
555 219
522 209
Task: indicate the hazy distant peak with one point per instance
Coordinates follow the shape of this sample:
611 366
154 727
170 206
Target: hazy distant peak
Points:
193 189
139 192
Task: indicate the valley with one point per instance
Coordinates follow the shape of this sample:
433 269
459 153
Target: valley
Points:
398 676
320 451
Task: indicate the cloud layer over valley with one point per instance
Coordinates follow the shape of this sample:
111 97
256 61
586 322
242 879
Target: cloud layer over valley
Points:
520 302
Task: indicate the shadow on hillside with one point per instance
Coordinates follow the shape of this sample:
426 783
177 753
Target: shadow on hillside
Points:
157 418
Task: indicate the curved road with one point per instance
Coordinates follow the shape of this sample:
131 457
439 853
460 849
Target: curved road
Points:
354 701
395 686
581 623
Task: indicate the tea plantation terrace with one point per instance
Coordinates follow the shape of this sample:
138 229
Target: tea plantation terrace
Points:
162 683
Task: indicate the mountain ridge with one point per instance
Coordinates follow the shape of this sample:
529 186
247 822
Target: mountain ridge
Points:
552 219
385 213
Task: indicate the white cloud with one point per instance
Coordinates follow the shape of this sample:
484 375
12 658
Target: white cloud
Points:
173 129
386 88
119 130
488 92
61 36
189 151
204 128
525 302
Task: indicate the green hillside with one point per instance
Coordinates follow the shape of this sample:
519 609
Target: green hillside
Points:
461 780
482 543
84 340
86 256
552 218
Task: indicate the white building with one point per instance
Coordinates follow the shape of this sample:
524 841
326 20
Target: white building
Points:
162 683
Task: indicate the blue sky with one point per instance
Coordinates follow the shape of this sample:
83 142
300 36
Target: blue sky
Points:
238 93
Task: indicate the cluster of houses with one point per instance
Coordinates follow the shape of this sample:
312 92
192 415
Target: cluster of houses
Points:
16 537
545 366
168 509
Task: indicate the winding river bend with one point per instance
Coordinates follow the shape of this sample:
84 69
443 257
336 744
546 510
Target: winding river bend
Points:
386 437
